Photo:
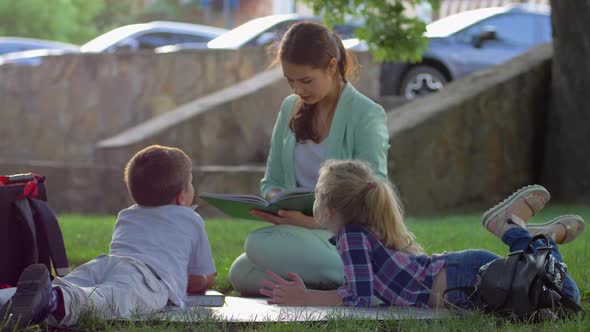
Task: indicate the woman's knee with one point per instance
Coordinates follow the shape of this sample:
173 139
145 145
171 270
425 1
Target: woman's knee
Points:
276 243
245 276
286 248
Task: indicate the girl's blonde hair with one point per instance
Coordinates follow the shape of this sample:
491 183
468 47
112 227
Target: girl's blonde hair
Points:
351 189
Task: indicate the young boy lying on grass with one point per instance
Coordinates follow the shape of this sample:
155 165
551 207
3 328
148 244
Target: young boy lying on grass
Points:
159 252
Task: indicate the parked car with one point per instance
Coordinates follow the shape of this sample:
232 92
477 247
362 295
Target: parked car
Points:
467 42
128 38
18 44
257 32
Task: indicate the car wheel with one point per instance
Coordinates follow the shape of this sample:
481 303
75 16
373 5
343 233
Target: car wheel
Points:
422 80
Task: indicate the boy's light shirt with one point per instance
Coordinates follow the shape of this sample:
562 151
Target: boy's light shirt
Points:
170 239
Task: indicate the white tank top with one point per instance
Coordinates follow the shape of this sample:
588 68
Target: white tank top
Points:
307 159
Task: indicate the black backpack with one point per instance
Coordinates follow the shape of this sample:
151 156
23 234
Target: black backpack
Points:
526 285
29 229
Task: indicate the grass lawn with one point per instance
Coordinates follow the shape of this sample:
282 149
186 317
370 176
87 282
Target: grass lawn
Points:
89 236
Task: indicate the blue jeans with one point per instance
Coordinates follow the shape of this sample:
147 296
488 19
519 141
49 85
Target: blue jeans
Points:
462 266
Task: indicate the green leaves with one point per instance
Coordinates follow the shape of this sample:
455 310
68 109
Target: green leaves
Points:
63 20
386 26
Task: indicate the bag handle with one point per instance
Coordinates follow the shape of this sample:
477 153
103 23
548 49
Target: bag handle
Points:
539 237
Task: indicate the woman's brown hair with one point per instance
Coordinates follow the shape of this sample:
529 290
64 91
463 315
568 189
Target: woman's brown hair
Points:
312 44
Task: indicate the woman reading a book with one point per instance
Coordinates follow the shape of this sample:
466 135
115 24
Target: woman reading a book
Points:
325 118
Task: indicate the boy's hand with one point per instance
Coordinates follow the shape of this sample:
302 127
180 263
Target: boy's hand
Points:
198 284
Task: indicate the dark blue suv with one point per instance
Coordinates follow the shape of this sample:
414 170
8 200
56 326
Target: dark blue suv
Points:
467 42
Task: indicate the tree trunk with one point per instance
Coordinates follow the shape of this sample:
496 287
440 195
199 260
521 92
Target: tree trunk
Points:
566 171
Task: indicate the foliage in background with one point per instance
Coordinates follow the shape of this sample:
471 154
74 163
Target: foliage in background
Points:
63 20
118 13
172 10
114 14
78 21
390 33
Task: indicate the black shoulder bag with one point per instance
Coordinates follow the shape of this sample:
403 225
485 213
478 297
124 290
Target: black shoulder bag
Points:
526 285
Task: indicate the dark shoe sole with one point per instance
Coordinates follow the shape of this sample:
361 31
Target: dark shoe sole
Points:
30 303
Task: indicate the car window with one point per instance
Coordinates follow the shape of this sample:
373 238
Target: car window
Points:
7 48
278 30
15 47
514 29
345 31
157 39
193 38
272 34
544 24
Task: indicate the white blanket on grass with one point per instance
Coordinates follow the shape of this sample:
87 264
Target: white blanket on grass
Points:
239 309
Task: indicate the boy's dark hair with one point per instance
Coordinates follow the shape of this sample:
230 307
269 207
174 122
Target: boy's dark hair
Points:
156 174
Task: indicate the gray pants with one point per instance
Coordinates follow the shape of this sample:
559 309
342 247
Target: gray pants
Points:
110 287
286 248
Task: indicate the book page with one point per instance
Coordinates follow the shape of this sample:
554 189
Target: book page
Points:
253 199
300 191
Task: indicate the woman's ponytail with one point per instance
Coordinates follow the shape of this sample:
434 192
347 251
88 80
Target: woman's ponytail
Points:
347 62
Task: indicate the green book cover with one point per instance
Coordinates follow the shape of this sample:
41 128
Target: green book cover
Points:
239 206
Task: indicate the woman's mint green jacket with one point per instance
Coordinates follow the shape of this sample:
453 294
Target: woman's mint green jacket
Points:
358 131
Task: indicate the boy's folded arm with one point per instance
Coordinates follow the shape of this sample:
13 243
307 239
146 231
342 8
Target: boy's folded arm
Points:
199 283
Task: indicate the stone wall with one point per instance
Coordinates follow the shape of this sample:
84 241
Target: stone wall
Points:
59 110
476 141
461 149
229 127
89 189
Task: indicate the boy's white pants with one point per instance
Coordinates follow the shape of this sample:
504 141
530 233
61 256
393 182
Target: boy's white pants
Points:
110 287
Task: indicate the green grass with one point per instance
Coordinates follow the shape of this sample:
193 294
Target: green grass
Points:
88 236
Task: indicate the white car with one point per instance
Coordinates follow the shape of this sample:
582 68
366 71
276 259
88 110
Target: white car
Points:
257 32
19 44
127 38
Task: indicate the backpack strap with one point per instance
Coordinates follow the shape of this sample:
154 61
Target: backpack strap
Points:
26 216
564 300
50 236
467 290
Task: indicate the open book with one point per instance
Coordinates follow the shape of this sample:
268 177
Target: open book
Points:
239 206
211 298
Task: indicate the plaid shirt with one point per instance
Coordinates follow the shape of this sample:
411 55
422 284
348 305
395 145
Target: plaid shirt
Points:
395 277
